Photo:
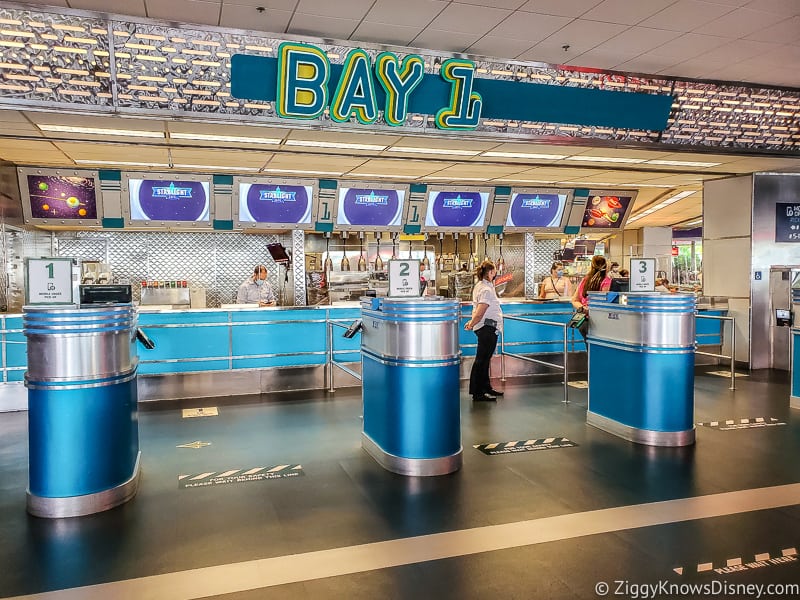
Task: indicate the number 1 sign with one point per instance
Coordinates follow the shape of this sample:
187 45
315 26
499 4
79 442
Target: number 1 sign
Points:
48 281
404 278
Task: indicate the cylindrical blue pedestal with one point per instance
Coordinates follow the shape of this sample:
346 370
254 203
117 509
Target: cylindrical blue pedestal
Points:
410 379
83 431
641 367
794 398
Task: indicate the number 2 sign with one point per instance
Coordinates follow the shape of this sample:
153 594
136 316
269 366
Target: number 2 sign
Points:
48 281
404 278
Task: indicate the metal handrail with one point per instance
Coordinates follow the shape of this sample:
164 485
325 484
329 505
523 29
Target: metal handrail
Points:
331 362
733 345
565 366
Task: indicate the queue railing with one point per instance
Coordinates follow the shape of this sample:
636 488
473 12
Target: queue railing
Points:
331 361
732 355
565 338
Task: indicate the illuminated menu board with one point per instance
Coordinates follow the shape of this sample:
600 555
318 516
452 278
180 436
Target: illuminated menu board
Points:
536 210
275 204
60 197
368 208
456 209
160 201
607 210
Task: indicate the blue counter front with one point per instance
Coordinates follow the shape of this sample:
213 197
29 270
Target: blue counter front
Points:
794 400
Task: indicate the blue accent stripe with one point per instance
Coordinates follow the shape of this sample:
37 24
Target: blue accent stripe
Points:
412 362
255 78
639 347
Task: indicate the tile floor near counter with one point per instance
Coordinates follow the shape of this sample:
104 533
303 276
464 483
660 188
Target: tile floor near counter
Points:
554 523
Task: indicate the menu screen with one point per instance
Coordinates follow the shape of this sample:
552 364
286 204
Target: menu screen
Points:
366 207
536 210
787 222
169 200
456 209
606 212
55 197
274 203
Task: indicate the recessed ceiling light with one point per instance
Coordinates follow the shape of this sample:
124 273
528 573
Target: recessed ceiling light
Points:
413 150
300 171
382 175
456 178
682 163
120 163
224 138
663 204
216 167
524 155
605 159
339 145
101 131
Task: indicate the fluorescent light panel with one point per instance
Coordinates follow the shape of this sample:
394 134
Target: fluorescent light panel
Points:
663 204
120 163
209 137
683 163
101 131
300 171
414 150
216 167
339 145
524 155
606 159
382 175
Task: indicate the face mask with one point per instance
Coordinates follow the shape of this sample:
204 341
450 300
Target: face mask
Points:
559 273
259 282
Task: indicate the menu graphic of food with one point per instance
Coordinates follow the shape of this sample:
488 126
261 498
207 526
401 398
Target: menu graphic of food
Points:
605 212
54 197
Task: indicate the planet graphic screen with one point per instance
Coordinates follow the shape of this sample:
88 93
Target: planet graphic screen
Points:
169 200
370 207
605 212
456 209
274 203
536 210
54 197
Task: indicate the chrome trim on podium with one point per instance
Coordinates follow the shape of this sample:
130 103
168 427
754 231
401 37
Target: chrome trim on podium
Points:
77 506
641 436
422 467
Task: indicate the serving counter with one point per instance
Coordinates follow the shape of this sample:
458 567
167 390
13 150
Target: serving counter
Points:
234 351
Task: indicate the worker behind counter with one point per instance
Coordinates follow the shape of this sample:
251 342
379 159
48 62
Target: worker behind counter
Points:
256 289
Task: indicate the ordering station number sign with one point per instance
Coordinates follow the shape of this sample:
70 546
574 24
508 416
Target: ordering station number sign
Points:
643 275
48 281
404 278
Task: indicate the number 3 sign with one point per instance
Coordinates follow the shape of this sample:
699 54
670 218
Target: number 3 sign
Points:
404 278
48 281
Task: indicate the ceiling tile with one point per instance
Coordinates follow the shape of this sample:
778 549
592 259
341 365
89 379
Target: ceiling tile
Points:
626 12
12 116
409 13
499 46
221 158
788 31
246 17
58 3
313 162
342 9
123 7
449 41
342 136
646 63
181 11
467 18
583 35
529 26
383 33
739 23
551 52
512 4
686 15
786 8
564 8
402 167
268 4
598 59
327 27
89 151
637 40
689 45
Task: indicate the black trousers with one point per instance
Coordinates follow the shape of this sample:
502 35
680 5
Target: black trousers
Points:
479 376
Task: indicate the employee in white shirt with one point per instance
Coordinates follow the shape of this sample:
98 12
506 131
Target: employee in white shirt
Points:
486 322
256 289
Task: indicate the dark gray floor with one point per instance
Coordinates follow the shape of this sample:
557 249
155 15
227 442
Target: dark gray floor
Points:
345 498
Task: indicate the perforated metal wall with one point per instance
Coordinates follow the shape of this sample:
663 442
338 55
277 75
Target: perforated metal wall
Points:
78 58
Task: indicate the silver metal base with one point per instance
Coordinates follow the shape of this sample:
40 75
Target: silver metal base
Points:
78 506
794 402
422 467
641 436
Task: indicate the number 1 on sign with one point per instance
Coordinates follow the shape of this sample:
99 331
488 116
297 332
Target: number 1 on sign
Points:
49 270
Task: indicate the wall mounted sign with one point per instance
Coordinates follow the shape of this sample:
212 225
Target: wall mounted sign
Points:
456 209
787 222
530 210
360 207
156 200
303 83
274 203
60 197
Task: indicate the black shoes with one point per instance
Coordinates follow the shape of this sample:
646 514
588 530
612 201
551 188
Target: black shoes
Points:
495 393
485 397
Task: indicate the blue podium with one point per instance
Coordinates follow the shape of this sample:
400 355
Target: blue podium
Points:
83 430
410 384
641 366
794 399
